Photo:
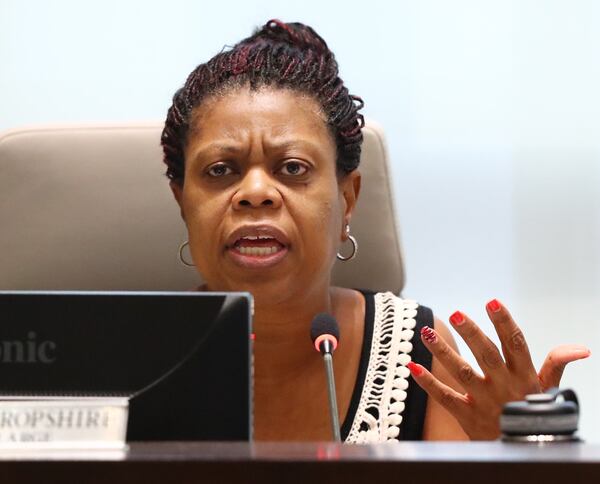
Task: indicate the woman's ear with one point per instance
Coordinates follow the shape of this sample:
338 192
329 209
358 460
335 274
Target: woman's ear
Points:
350 187
177 190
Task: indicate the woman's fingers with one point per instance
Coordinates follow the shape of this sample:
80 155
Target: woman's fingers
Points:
509 375
514 346
554 364
457 404
452 361
485 351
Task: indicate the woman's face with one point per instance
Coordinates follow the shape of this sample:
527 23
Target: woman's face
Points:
263 206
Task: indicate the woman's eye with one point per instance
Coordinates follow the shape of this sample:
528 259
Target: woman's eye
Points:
293 168
219 169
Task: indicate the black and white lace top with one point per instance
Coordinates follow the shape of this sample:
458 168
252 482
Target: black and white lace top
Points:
386 404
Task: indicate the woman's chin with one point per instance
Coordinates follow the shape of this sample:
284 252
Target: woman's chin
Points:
267 289
272 279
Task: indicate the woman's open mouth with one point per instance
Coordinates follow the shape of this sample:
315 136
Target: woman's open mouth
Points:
257 247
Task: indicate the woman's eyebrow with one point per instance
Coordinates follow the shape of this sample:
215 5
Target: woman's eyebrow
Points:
216 148
302 144
219 148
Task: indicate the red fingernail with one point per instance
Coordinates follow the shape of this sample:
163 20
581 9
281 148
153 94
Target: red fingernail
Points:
415 370
429 335
457 318
493 306
252 336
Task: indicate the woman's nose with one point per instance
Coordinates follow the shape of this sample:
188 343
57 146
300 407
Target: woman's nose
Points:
257 189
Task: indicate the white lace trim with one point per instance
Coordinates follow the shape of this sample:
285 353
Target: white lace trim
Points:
379 412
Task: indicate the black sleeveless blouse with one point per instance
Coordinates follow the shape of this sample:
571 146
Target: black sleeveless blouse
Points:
415 399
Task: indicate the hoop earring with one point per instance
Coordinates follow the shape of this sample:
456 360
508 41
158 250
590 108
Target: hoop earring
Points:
183 261
354 247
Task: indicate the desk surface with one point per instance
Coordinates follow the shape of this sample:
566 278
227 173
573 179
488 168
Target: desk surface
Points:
312 462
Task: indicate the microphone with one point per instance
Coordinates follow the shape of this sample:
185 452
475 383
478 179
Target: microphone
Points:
325 334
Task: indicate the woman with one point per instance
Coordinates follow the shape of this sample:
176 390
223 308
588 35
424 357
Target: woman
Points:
262 146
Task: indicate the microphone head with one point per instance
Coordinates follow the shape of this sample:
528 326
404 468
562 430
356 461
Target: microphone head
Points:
324 326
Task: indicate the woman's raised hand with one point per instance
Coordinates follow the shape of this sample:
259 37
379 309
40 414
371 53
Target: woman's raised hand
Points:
507 376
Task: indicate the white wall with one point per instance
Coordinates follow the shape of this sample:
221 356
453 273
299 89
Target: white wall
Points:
491 108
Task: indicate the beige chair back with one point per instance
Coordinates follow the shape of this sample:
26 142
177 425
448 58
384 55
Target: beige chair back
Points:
89 208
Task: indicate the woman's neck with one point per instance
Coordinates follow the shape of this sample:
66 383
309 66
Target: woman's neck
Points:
282 345
283 351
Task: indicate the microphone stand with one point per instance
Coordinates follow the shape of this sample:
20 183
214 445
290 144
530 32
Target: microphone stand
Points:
333 409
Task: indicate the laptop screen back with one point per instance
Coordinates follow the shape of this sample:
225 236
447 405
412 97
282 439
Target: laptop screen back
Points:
182 359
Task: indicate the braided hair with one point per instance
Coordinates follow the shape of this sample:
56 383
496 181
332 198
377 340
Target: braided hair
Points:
282 55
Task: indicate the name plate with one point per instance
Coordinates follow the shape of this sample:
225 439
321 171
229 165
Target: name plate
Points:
63 422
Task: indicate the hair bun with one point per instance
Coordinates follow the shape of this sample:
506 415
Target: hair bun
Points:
294 33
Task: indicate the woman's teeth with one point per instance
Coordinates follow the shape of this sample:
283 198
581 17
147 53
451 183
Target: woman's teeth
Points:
257 250
258 245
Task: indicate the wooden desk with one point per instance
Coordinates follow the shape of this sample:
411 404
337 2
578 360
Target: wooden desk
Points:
414 462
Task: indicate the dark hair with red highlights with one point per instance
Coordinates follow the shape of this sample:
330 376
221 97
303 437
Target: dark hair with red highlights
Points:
285 55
